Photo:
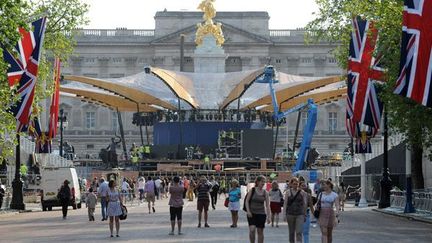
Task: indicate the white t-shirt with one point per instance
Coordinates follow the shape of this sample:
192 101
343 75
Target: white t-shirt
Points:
158 183
327 200
141 185
125 186
275 196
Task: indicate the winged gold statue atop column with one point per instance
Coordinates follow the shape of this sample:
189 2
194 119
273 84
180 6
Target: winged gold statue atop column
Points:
209 27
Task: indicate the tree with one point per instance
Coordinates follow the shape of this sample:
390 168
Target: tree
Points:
333 23
64 17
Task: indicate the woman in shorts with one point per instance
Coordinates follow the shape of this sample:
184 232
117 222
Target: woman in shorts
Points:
176 204
234 202
258 209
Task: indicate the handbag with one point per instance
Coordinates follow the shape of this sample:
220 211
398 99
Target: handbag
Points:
226 203
318 207
124 214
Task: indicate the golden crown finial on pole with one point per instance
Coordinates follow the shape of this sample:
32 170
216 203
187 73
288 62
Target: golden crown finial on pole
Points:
209 27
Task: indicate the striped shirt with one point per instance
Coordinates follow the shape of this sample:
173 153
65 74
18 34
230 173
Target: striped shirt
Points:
203 192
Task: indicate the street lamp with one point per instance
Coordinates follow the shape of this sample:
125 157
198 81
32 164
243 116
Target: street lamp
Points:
63 123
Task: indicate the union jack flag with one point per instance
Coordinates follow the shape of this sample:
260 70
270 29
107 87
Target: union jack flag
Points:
415 71
23 70
363 70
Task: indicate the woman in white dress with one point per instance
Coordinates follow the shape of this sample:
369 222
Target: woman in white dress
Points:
114 207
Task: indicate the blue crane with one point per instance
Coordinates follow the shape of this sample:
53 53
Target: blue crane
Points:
269 77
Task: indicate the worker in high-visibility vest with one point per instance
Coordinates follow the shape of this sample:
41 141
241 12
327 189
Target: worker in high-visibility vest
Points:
147 151
207 163
134 153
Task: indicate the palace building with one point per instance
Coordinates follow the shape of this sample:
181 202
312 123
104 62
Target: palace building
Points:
250 44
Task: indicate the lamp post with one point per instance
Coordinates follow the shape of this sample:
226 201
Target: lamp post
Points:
17 185
386 183
63 120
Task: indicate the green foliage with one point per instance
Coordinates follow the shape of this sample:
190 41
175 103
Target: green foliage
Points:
333 23
64 17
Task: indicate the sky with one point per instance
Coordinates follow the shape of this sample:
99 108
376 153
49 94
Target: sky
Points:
139 14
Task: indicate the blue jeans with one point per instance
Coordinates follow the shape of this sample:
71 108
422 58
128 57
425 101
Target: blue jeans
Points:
306 226
104 204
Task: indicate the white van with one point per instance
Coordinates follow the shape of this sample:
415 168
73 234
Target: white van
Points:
51 181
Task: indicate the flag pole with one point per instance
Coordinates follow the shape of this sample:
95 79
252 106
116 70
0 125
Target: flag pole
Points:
386 183
17 185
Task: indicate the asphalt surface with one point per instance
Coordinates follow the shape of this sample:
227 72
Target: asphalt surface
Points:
357 225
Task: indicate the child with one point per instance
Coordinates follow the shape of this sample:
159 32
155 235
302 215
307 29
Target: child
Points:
91 204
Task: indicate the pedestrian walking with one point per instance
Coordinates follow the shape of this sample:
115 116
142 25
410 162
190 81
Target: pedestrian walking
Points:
103 195
234 197
95 184
258 209
295 205
223 186
114 209
150 191
64 195
310 210
176 204
214 191
125 188
276 203
91 202
141 186
158 184
203 189
341 190
327 200
190 190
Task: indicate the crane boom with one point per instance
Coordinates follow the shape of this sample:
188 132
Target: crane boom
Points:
308 131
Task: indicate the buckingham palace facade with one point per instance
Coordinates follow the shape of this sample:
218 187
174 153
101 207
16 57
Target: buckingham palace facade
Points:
250 44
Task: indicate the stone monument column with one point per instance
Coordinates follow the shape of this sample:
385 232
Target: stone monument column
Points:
209 57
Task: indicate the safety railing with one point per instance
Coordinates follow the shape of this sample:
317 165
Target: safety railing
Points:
422 200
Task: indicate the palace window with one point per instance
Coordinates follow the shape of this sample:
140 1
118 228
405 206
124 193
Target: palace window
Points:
332 121
117 60
90 120
332 60
90 60
278 61
306 60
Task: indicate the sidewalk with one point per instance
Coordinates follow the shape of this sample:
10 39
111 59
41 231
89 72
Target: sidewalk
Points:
421 216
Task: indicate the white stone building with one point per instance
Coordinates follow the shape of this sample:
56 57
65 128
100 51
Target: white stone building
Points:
250 44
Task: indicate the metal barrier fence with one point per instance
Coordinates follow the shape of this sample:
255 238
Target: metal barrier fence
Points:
422 200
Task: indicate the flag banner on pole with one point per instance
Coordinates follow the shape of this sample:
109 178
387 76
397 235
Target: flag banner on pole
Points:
54 109
415 72
23 70
364 70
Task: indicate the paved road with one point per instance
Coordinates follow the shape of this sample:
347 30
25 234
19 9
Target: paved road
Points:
357 225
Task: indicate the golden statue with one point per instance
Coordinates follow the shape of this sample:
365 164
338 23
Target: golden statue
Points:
209 27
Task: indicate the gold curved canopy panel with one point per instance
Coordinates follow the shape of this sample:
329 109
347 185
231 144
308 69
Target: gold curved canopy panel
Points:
124 91
319 98
170 79
294 91
108 100
240 88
